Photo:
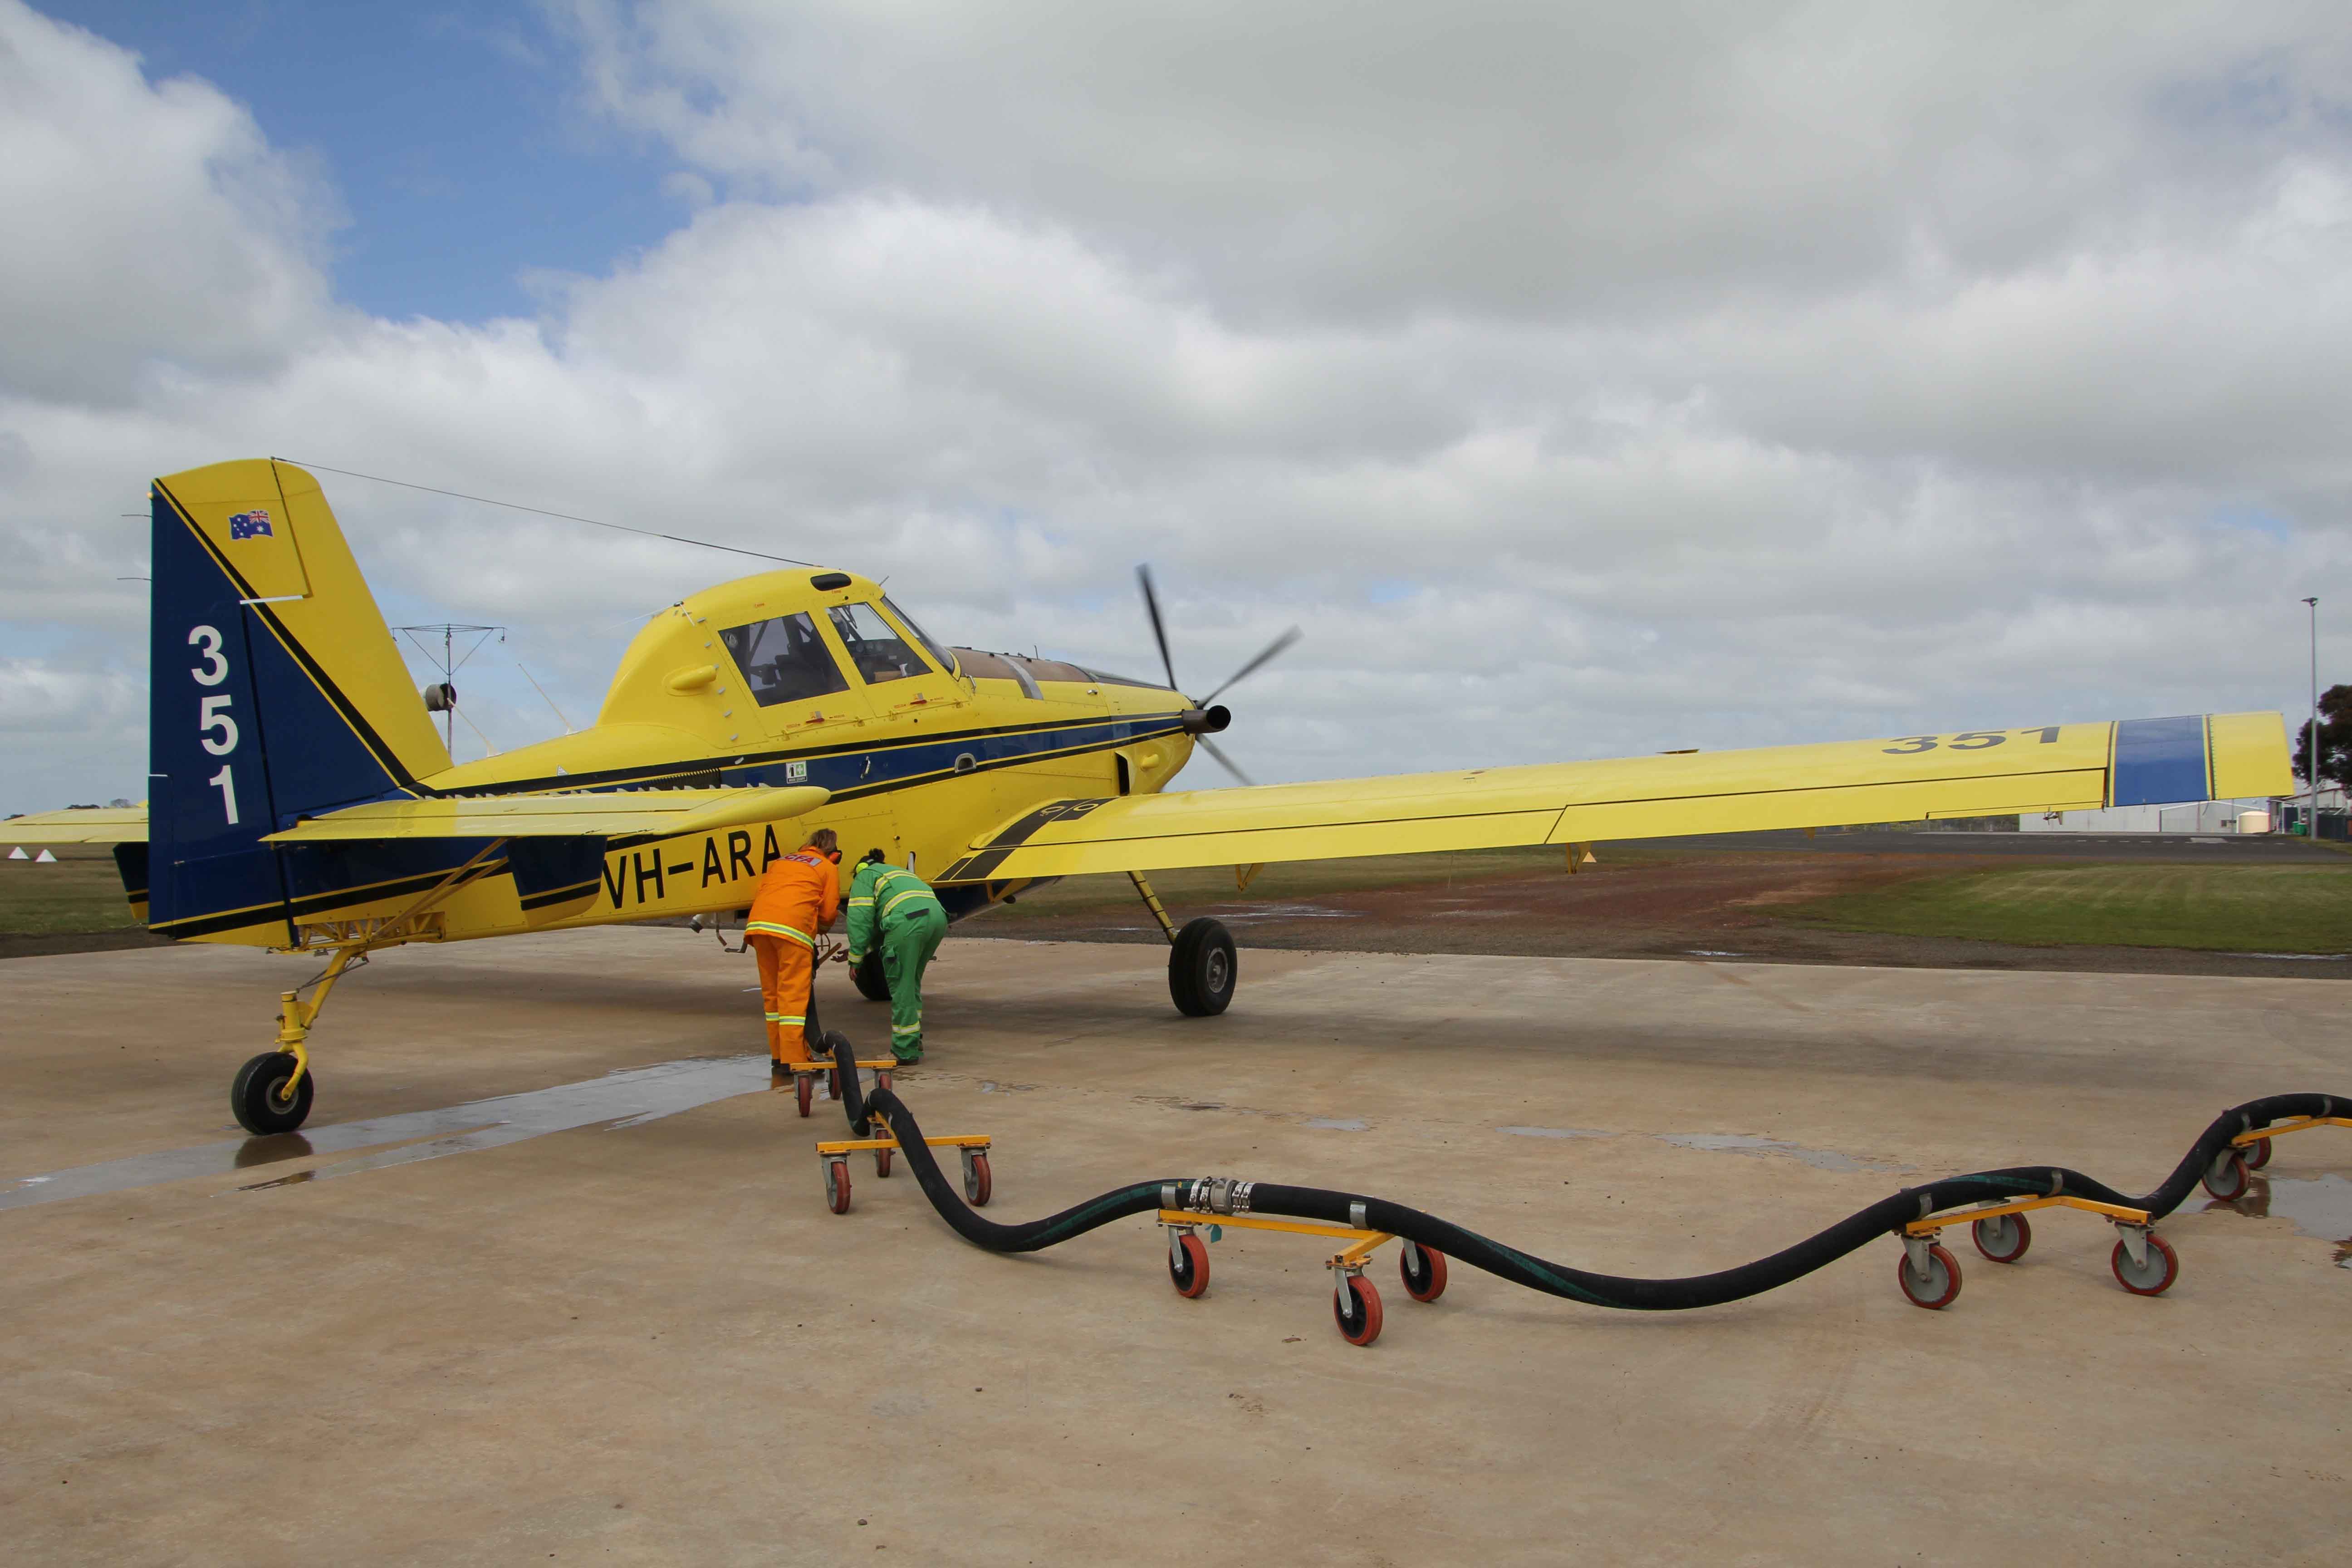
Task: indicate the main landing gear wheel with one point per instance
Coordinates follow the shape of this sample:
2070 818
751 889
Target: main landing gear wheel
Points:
2003 1238
2257 1155
837 1185
258 1096
1358 1312
1188 1266
805 1090
866 974
1201 969
1942 1282
2225 1178
2153 1278
1423 1268
977 1181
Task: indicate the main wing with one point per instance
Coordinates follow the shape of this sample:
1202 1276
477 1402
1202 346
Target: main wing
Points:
2057 767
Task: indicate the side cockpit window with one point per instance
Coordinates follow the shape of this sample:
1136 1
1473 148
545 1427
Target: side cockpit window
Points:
783 660
945 660
878 652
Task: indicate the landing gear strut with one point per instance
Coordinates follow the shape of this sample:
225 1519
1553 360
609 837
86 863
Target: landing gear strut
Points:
1202 965
272 1092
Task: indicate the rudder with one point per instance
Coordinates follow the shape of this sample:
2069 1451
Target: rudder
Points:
277 692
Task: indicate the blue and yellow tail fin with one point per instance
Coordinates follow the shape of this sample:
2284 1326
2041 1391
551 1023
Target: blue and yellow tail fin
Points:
277 691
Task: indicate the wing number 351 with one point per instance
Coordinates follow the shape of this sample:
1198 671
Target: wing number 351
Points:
215 727
1967 740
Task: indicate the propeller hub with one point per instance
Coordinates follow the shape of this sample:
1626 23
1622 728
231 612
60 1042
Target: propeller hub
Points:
1206 721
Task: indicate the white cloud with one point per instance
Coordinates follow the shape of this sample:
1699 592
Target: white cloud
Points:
147 222
1648 379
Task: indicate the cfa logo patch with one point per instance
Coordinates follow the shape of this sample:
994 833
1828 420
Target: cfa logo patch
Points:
796 772
254 524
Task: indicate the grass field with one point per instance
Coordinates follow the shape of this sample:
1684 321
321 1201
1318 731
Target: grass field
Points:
81 892
2229 908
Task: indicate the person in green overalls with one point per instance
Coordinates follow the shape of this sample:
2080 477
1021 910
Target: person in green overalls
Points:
894 910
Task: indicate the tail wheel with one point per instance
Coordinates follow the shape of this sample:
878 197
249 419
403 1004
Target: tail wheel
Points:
259 1096
1423 1268
2257 1155
805 1090
2003 1238
837 1185
2225 1178
2153 1278
1358 1312
1941 1283
977 1184
882 1162
1201 969
1188 1266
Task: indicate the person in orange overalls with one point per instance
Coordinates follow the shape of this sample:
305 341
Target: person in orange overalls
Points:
795 905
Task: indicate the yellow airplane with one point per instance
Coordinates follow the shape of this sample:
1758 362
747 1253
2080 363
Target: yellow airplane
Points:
303 801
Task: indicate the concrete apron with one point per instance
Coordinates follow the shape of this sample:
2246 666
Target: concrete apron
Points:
617 1321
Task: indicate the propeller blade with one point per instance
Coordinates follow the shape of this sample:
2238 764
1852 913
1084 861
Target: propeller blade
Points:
1159 631
1272 649
1223 761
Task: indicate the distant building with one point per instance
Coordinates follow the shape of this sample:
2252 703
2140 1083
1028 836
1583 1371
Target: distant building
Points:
2273 816
2209 817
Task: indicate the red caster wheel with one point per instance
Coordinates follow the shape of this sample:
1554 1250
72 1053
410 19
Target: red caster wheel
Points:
1358 1312
2003 1238
832 1083
1188 1265
2225 1178
837 1185
977 1185
2257 1155
882 1162
2152 1278
805 1090
1940 1284
882 1081
1423 1268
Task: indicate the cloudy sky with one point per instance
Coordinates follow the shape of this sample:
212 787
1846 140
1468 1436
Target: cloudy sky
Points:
1585 380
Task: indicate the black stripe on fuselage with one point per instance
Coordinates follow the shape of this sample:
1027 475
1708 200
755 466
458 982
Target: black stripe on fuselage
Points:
976 868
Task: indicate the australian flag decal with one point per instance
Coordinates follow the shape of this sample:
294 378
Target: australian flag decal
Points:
252 525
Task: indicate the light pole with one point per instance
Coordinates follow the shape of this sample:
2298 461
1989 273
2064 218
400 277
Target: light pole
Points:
2311 821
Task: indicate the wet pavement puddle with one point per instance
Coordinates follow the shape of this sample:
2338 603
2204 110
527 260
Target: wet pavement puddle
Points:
2321 1210
617 1101
1756 1147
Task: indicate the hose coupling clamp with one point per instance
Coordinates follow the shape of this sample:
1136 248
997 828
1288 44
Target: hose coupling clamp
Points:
1168 1194
1219 1194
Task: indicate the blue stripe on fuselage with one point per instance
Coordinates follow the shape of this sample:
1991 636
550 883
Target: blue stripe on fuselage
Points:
2160 762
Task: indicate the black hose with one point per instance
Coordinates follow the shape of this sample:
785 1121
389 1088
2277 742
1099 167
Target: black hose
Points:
1888 1216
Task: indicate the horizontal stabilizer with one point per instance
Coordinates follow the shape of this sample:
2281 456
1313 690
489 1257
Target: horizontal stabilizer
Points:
608 814
78 825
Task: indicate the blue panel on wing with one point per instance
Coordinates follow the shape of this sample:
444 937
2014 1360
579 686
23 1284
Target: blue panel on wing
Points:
2160 762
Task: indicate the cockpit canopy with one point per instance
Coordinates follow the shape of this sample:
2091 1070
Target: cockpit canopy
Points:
784 660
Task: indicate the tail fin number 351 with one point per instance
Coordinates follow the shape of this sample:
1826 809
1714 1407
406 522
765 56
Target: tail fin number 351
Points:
216 729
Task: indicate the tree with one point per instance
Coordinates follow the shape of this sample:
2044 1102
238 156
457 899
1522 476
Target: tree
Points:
2335 739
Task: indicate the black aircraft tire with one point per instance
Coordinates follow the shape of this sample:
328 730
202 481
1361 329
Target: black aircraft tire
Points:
256 1095
872 984
1202 969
